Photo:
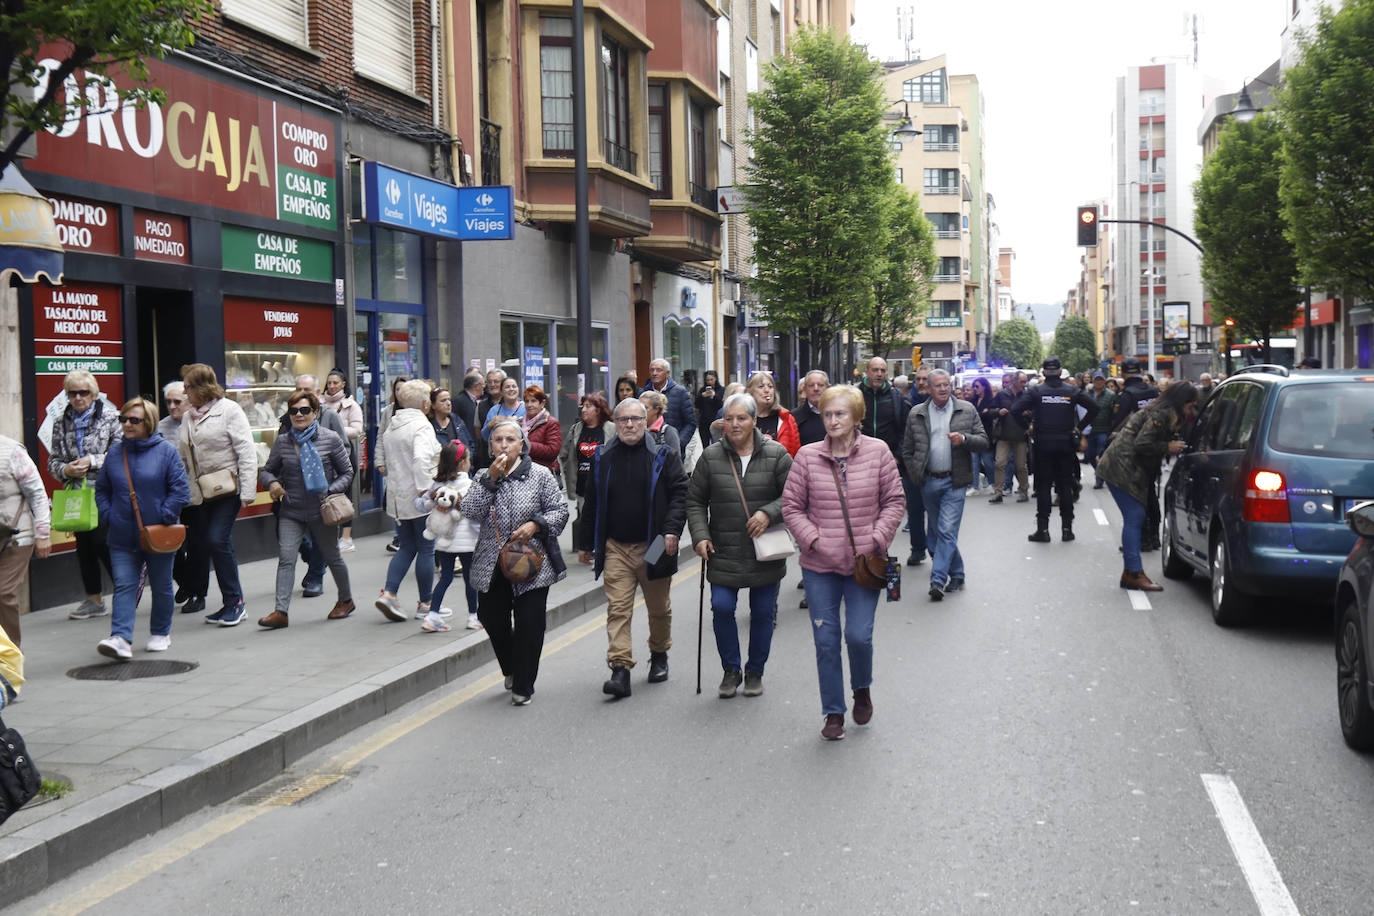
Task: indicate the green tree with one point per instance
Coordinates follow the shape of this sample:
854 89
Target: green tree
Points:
901 296
820 175
1016 342
1327 183
100 37
1075 344
1248 264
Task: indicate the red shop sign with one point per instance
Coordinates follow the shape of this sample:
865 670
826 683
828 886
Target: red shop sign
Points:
161 237
256 321
86 225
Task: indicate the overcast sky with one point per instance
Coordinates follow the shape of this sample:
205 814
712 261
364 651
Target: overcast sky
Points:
1048 72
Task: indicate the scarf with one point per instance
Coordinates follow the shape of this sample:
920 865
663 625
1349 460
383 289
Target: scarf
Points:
195 414
79 423
528 422
333 401
312 468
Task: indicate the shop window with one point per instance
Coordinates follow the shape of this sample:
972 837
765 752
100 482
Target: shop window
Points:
558 341
362 264
555 84
400 267
284 19
684 347
384 42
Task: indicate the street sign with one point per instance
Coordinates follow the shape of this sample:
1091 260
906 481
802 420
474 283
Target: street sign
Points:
730 200
486 213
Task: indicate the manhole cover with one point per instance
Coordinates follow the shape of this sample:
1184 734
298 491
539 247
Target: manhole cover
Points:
127 671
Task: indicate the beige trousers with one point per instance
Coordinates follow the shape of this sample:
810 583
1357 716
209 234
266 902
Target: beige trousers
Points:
624 571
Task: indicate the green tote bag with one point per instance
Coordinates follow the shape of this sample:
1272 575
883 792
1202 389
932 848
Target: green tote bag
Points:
73 509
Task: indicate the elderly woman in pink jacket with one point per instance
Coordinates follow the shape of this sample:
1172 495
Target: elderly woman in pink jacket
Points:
814 508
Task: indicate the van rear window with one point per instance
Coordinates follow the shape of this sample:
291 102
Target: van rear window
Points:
1334 419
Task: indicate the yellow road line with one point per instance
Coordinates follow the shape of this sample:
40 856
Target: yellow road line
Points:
173 851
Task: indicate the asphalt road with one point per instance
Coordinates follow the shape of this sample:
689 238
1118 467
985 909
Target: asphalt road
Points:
1040 745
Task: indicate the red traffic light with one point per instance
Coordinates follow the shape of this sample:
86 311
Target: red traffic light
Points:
1088 216
1087 227
1230 322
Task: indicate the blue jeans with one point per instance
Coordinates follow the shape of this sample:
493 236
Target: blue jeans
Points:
414 548
824 592
945 509
915 517
763 612
128 572
1132 521
1097 444
217 516
443 565
986 462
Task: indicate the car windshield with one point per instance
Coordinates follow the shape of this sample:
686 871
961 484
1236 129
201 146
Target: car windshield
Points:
1333 419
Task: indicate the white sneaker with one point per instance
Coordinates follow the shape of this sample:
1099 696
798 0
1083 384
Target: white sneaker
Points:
159 643
115 647
389 608
422 611
473 622
433 623
88 609
971 491
346 545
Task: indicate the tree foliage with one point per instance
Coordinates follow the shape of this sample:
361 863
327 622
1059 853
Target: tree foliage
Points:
1075 343
901 295
818 183
1248 264
98 36
1327 183
1016 342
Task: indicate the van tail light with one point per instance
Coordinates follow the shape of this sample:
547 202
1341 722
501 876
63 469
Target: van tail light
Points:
1266 498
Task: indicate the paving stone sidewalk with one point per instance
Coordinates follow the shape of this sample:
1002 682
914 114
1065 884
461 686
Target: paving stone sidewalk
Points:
142 753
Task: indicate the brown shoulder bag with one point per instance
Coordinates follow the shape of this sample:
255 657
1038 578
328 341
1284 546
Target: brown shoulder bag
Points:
152 538
870 569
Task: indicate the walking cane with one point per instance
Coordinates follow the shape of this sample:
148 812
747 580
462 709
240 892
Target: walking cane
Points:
701 610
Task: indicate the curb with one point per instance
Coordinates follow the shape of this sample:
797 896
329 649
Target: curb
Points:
54 848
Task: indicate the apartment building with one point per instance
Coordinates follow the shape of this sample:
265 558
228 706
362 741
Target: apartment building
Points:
945 164
1156 159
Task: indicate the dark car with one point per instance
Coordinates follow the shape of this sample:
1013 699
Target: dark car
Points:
1258 501
1354 595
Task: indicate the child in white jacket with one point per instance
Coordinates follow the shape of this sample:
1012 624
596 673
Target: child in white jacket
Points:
452 552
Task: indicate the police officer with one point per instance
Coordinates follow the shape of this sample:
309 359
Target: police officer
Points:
1055 420
1136 394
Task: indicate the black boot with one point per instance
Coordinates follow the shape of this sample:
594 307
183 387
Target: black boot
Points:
619 684
658 667
1041 536
1066 534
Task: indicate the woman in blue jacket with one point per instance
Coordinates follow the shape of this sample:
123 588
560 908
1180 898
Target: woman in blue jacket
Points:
159 479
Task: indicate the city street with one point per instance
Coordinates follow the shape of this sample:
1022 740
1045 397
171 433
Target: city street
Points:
1041 744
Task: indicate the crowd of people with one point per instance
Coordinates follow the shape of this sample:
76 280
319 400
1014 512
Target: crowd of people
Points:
481 482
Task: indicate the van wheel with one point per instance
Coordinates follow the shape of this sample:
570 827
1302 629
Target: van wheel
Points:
1228 605
1175 567
1352 680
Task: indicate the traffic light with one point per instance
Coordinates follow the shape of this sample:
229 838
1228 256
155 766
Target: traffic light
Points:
1087 227
1228 337
915 358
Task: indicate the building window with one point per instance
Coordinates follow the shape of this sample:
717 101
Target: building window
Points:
928 88
899 176
555 84
948 270
941 181
284 19
940 137
894 144
698 162
660 144
615 80
384 42
726 112
946 224
777 34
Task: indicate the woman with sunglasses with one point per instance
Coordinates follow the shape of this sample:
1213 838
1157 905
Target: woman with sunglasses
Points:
306 464
81 436
145 464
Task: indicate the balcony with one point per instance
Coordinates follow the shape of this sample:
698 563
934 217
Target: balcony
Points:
621 157
939 189
703 197
947 233
491 153
936 147
946 278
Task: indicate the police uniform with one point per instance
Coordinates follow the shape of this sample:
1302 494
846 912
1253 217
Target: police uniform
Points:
1053 406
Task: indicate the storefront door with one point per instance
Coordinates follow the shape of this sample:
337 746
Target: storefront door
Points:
387 346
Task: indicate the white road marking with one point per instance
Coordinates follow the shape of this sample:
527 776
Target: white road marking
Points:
1266 884
1100 516
1139 600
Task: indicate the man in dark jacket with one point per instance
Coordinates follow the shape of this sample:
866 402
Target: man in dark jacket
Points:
1052 406
810 428
679 414
482 453
885 414
1010 439
637 498
465 406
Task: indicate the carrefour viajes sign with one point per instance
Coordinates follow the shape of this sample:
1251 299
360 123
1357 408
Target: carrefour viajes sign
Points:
415 203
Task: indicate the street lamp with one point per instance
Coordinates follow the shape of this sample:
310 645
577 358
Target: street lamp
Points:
905 131
1244 110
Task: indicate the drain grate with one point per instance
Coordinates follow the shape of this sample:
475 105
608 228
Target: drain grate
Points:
128 671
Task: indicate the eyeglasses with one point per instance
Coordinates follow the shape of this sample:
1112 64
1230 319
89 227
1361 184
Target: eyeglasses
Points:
132 420
173 402
630 421
300 411
79 393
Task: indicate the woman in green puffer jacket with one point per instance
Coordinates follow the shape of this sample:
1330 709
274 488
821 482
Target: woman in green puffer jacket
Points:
735 495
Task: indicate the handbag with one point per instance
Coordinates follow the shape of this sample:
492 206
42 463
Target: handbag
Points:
216 483
73 509
336 509
7 532
19 779
152 538
520 560
773 544
870 569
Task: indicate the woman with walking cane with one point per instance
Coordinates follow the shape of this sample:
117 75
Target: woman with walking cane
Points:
734 498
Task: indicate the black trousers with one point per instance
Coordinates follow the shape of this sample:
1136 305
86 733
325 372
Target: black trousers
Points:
92 553
1054 465
515 626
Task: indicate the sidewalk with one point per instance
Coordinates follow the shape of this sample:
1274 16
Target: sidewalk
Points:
143 753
